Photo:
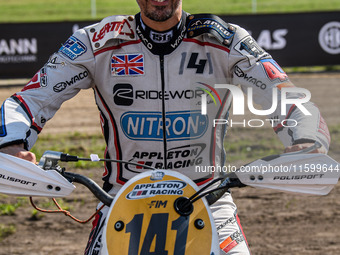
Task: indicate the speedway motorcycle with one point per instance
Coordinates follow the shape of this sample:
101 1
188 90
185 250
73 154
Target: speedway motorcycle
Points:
162 211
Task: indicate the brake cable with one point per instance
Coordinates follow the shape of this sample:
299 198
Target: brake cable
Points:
50 161
183 205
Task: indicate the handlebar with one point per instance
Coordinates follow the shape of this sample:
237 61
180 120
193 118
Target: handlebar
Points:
230 181
91 185
50 161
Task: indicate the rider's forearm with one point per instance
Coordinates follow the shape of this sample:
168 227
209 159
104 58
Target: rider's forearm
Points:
16 121
18 150
301 146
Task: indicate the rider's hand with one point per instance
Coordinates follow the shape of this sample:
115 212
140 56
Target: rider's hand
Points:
19 151
298 147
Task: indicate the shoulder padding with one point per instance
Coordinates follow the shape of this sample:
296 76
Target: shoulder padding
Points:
198 24
113 27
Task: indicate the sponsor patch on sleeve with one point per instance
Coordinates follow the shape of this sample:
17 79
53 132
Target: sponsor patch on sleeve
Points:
206 23
248 47
73 48
113 27
273 71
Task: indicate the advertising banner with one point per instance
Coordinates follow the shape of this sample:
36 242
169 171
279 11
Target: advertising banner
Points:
304 39
26 47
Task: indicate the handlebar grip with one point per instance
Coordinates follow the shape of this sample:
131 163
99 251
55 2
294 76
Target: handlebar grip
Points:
91 185
231 181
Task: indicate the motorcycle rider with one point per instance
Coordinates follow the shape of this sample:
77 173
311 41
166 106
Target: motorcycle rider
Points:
148 73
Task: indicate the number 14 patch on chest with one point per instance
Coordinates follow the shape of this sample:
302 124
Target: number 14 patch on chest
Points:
127 64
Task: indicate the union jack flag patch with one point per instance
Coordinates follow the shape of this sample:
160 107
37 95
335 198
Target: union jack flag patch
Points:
127 64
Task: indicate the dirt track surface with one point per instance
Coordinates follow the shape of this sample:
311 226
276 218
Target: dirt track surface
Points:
274 223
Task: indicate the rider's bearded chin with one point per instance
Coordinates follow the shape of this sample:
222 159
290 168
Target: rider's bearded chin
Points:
159 10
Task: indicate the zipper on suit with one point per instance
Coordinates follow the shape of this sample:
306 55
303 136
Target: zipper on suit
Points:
161 58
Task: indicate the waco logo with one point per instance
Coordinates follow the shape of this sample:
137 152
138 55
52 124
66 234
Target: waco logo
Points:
182 125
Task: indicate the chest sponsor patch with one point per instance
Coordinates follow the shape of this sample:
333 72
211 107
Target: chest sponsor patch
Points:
183 125
127 65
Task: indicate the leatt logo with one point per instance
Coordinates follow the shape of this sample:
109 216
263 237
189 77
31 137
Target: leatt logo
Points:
120 27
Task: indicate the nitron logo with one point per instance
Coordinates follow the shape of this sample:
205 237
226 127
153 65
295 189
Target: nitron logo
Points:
123 94
182 125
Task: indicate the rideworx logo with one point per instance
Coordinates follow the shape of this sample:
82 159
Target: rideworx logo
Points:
146 190
124 94
181 125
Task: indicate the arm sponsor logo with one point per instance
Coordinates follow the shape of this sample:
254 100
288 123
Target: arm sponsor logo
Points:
55 63
204 23
112 30
38 80
73 48
63 85
248 46
258 83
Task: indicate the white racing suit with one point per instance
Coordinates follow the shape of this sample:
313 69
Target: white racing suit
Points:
148 88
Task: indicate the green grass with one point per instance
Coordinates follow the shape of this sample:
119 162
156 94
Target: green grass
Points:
66 10
244 145
6 230
249 144
10 208
241 144
312 69
81 145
